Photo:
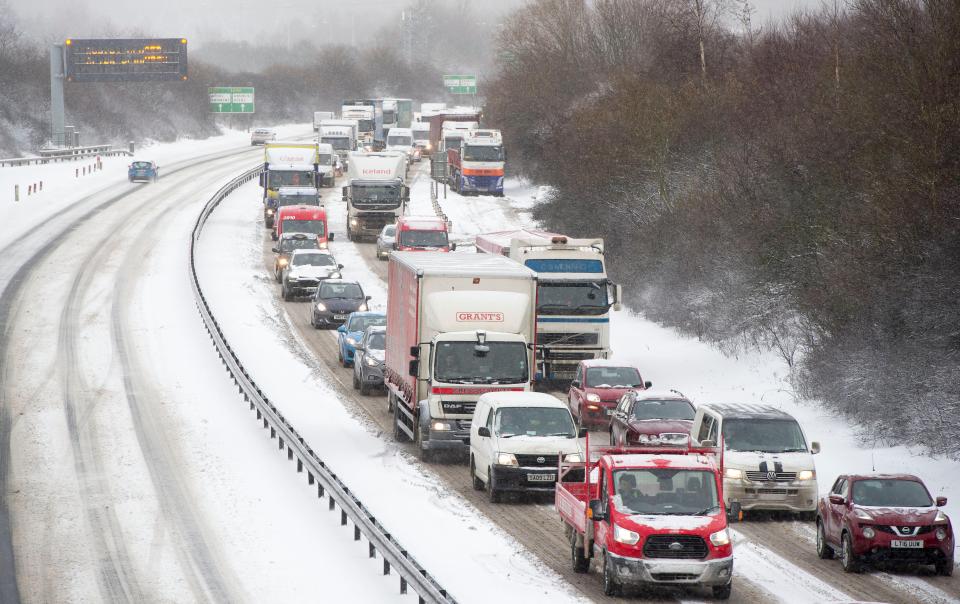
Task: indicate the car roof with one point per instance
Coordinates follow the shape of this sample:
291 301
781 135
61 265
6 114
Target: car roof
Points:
296 236
882 476
607 363
341 282
366 313
317 252
665 460
657 394
522 399
747 411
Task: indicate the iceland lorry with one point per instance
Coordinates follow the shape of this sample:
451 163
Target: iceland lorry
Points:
574 296
457 327
376 192
476 165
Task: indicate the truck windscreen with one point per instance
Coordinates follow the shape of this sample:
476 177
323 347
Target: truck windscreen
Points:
665 491
462 363
765 435
366 125
313 227
326 159
482 153
291 178
577 298
337 142
293 200
399 141
376 194
421 135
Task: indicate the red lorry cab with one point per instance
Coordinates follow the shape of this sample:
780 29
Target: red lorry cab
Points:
652 516
304 219
422 233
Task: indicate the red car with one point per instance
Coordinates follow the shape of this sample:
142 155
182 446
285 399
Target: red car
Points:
884 517
597 386
651 417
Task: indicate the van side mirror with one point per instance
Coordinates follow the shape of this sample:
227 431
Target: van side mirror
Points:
414 369
483 431
342 328
367 298
814 447
415 352
941 501
595 511
837 500
648 384
582 433
330 237
575 383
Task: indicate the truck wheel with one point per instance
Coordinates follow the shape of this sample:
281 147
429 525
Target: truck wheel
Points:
425 455
944 568
364 387
493 493
734 513
610 585
848 560
824 551
286 293
722 592
581 564
477 483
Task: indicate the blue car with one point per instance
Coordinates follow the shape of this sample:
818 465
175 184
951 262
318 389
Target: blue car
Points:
143 171
349 334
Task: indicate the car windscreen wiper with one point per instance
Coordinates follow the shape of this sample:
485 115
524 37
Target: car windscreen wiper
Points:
706 511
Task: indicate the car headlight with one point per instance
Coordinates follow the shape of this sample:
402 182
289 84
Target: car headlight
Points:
321 307
593 398
869 533
733 474
941 517
269 211
362 308
351 341
322 245
626 536
806 475
371 362
507 459
283 262
573 457
353 222
862 515
720 538
439 426
941 534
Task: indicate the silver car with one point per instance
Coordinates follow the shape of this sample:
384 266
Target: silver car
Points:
385 241
261 136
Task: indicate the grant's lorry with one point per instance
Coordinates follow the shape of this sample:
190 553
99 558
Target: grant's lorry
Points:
375 192
476 166
458 326
286 164
574 296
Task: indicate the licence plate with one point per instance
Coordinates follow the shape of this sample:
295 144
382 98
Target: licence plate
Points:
541 477
907 543
771 496
339 317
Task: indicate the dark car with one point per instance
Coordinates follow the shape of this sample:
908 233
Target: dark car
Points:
597 387
307 268
884 518
368 359
333 302
142 170
650 417
350 333
289 242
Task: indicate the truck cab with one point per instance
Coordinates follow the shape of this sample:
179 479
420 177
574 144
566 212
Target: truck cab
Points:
422 233
286 164
652 516
401 141
477 165
376 192
289 196
307 219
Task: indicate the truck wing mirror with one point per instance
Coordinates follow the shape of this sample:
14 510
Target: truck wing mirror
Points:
483 431
837 500
814 447
582 433
596 511
367 298
263 177
415 352
453 247
707 444
575 383
617 297
406 193
414 369
648 384
330 237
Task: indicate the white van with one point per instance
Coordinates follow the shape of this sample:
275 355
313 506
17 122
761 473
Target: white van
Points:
516 439
767 462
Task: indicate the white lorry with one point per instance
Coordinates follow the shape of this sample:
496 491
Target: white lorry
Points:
457 327
327 164
574 296
376 192
401 141
319 116
366 120
341 135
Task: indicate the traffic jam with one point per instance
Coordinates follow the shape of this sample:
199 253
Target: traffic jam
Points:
496 354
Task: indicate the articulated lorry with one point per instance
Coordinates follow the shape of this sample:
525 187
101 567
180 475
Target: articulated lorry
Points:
574 296
319 116
286 164
476 166
376 192
366 116
341 135
457 327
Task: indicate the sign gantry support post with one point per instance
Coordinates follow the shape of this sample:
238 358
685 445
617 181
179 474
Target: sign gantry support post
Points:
57 111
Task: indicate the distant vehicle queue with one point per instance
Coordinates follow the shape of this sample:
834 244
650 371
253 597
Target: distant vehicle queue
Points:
468 338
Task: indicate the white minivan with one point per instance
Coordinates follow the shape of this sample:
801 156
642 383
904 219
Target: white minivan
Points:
516 440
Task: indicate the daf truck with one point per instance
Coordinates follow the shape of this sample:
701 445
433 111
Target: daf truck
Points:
287 164
574 296
458 326
476 165
376 192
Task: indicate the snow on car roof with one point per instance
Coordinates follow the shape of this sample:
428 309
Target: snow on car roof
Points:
658 394
606 363
522 399
317 252
882 476
664 460
432 223
748 410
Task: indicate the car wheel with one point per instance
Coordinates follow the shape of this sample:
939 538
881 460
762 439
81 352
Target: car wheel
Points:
390 402
477 483
848 560
734 513
287 296
824 551
581 564
356 382
722 592
610 585
364 387
340 355
493 493
944 568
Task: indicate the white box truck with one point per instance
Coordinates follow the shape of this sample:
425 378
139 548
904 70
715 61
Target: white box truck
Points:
458 326
319 116
376 192
341 135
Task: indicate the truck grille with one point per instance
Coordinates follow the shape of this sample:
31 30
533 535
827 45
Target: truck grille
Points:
674 577
464 407
770 491
533 461
554 355
675 546
755 476
567 339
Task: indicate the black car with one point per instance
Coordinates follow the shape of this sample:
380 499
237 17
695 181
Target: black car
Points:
368 359
333 302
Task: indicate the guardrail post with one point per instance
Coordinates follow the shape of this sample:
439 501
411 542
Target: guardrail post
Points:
356 533
403 585
372 550
386 567
16 192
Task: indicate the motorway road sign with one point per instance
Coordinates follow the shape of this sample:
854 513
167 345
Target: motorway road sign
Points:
225 99
460 84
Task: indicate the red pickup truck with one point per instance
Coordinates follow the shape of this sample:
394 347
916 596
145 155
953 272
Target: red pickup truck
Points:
653 516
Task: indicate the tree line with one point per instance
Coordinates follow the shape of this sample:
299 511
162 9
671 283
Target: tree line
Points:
794 187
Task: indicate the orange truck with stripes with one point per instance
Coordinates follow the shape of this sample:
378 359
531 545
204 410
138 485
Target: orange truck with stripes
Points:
458 326
475 167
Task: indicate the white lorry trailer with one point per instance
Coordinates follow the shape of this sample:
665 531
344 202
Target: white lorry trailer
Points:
574 296
319 116
376 192
457 326
341 135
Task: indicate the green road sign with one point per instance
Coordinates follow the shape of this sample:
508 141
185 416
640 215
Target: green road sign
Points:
231 100
460 84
